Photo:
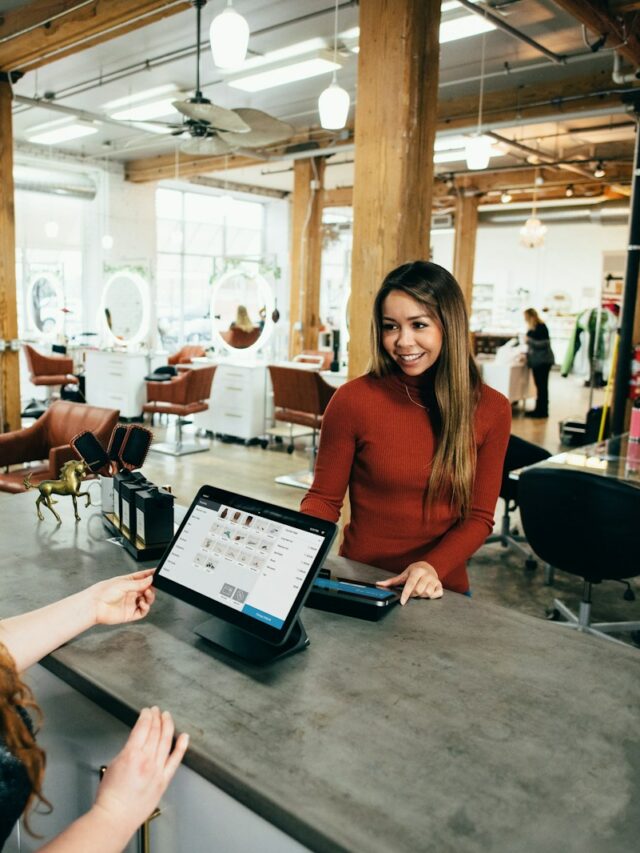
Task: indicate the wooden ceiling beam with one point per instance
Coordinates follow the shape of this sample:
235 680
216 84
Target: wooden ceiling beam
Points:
47 30
604 20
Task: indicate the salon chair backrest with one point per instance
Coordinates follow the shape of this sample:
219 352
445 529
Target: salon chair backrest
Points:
186 354
46 365
581 523
299 390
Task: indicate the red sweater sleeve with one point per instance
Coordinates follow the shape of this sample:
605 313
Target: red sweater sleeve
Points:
335 458
462 540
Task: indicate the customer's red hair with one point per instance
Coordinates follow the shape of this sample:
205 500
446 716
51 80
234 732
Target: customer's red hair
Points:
15 733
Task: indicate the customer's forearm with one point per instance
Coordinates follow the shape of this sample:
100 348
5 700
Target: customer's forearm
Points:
94 831
31 636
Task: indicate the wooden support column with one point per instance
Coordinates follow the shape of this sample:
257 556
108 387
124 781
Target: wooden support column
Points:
395 129
9 365
464 248
306 252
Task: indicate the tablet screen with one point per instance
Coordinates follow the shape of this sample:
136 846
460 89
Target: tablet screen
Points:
249 561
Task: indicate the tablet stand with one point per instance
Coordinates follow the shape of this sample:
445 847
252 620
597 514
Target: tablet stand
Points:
250 648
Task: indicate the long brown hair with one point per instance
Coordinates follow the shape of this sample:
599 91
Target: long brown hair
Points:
457 380
16 734
532 317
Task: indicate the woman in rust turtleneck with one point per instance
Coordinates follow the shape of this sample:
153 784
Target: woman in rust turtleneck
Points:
419 441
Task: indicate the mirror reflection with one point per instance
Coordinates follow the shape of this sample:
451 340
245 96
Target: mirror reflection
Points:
124 306
45 302
241 303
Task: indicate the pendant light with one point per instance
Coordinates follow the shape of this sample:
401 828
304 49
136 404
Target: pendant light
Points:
229 36
533 231
334 101
478 146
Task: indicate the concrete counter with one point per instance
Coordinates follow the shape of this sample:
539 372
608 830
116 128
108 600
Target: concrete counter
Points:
451 725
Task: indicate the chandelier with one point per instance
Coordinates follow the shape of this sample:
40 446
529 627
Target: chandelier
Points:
533 231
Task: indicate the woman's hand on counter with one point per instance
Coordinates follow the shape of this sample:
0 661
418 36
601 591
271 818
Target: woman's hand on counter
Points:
125 598
420 580
138 776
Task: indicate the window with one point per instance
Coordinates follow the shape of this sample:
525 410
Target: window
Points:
194 231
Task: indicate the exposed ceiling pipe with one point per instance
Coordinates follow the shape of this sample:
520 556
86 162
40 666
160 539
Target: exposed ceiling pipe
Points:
542 156
597 214
69 191
556 58
618 77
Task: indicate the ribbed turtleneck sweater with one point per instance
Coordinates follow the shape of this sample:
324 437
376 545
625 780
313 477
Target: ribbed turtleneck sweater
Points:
378 440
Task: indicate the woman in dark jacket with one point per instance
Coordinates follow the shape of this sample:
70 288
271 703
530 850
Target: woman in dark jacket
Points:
540 359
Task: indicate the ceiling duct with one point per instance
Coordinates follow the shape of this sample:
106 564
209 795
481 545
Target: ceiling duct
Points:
54 182
601 214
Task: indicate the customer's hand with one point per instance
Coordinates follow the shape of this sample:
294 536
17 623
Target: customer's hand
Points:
420 580
125 598
139 775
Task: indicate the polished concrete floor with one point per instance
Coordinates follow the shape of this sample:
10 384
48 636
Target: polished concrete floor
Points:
497 574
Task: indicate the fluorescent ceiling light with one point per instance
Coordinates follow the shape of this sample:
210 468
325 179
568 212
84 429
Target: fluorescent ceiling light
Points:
462 28
449 143
459 154
301 69
145 95
144 112
61 134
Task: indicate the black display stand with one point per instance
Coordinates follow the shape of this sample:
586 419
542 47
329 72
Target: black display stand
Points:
140 554
251 648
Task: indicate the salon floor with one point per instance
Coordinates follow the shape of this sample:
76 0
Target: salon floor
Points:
497 574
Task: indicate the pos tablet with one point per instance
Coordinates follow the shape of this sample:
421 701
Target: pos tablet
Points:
250 565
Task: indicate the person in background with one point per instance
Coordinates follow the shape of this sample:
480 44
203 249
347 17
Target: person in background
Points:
136 778
419 441
242 321
540 359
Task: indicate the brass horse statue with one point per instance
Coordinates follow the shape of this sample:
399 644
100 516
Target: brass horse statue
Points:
71 476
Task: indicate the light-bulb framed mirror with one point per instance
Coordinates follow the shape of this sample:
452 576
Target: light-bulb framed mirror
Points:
45 302
125 308
242 302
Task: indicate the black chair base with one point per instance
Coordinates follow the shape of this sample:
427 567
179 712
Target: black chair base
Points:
582 620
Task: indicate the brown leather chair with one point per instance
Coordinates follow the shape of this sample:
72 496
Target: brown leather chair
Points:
49 370
187 354
300 397
184 395
48 438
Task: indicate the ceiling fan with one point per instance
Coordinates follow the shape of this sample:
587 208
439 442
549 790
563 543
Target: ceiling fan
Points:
212 130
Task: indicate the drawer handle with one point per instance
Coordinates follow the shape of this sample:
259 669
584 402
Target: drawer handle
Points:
231 415
233 388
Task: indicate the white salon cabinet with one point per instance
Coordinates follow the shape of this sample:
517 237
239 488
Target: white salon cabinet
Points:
237 402
115 380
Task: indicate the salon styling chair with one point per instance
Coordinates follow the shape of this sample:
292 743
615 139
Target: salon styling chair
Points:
186 354
49 439
51 371
183 395
299 399
520 453
587 525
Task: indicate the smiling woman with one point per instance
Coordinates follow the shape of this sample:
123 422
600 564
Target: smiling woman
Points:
419 441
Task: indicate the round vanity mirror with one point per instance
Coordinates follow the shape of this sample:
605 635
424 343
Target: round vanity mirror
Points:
45 302
124 311
241 308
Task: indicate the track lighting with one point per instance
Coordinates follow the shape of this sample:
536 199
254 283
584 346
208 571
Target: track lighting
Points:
569 191
599 171
506 197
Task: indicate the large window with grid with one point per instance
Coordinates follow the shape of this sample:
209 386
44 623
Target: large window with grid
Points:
194 232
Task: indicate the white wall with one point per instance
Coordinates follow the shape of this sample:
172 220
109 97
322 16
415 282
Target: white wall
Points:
570 260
